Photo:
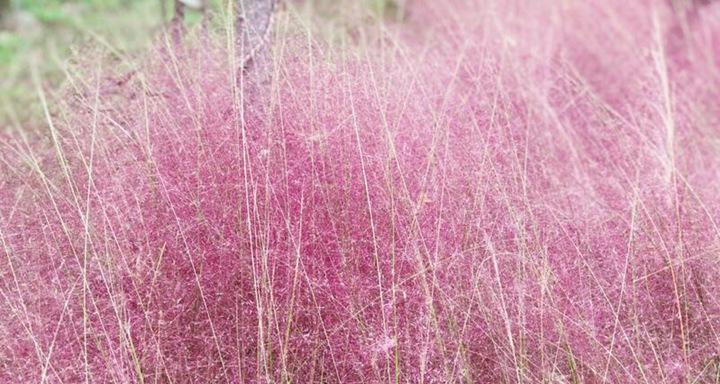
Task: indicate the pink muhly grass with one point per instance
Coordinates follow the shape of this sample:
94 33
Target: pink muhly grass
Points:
500 191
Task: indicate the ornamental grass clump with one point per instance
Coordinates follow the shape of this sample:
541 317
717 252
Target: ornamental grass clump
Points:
479 192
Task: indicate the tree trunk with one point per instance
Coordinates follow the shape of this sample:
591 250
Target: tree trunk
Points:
179 13
253 27
254 19
4 10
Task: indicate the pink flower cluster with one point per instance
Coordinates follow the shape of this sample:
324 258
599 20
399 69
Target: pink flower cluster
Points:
487 191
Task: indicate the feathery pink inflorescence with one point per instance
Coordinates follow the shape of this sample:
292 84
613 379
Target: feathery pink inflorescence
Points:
499 191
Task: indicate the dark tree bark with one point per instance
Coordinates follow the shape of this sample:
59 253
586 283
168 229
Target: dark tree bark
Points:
179 12
253 26
4 10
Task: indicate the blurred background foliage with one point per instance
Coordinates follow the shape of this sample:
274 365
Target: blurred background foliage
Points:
40 35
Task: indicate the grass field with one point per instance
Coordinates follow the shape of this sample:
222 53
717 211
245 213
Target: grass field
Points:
41 35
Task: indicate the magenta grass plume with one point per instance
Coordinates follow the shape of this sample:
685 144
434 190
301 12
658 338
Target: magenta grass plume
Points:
484 191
